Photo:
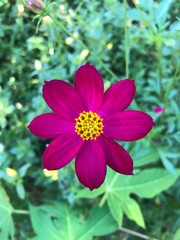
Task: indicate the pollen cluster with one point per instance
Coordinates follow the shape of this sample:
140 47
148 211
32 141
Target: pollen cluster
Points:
89 125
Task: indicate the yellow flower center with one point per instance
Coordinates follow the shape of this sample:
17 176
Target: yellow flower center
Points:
89 125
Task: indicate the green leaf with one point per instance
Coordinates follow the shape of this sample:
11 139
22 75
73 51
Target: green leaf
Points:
167 164
61 222
20 190
116 208
86 193
100 222
162 9
43 224
177 234
117 190
133 211
23 169
145 184
6 222
148 22
145 157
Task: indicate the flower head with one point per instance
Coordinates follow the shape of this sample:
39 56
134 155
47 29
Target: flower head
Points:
84 123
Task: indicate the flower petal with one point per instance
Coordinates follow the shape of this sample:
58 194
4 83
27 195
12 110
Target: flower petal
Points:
50 125
118 97
128 125
62 98
91 164
89 86
61 151
116 156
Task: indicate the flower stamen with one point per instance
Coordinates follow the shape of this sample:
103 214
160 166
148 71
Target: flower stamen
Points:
89 125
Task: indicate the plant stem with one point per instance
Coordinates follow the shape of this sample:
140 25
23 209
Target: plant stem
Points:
140 235
20 211
171 83
160 74
108 189
126 40
145 21
103 199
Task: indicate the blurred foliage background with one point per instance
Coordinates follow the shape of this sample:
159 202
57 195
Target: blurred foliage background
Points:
138 39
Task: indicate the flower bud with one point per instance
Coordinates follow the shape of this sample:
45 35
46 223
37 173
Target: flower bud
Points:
158 109
35 5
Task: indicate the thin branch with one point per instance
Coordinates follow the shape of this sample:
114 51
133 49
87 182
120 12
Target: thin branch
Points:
137 234
19 211
126 40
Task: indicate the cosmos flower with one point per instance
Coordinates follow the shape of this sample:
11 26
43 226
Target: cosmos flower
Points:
84 123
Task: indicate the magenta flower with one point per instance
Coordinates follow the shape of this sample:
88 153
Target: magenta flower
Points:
84 122
158 109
